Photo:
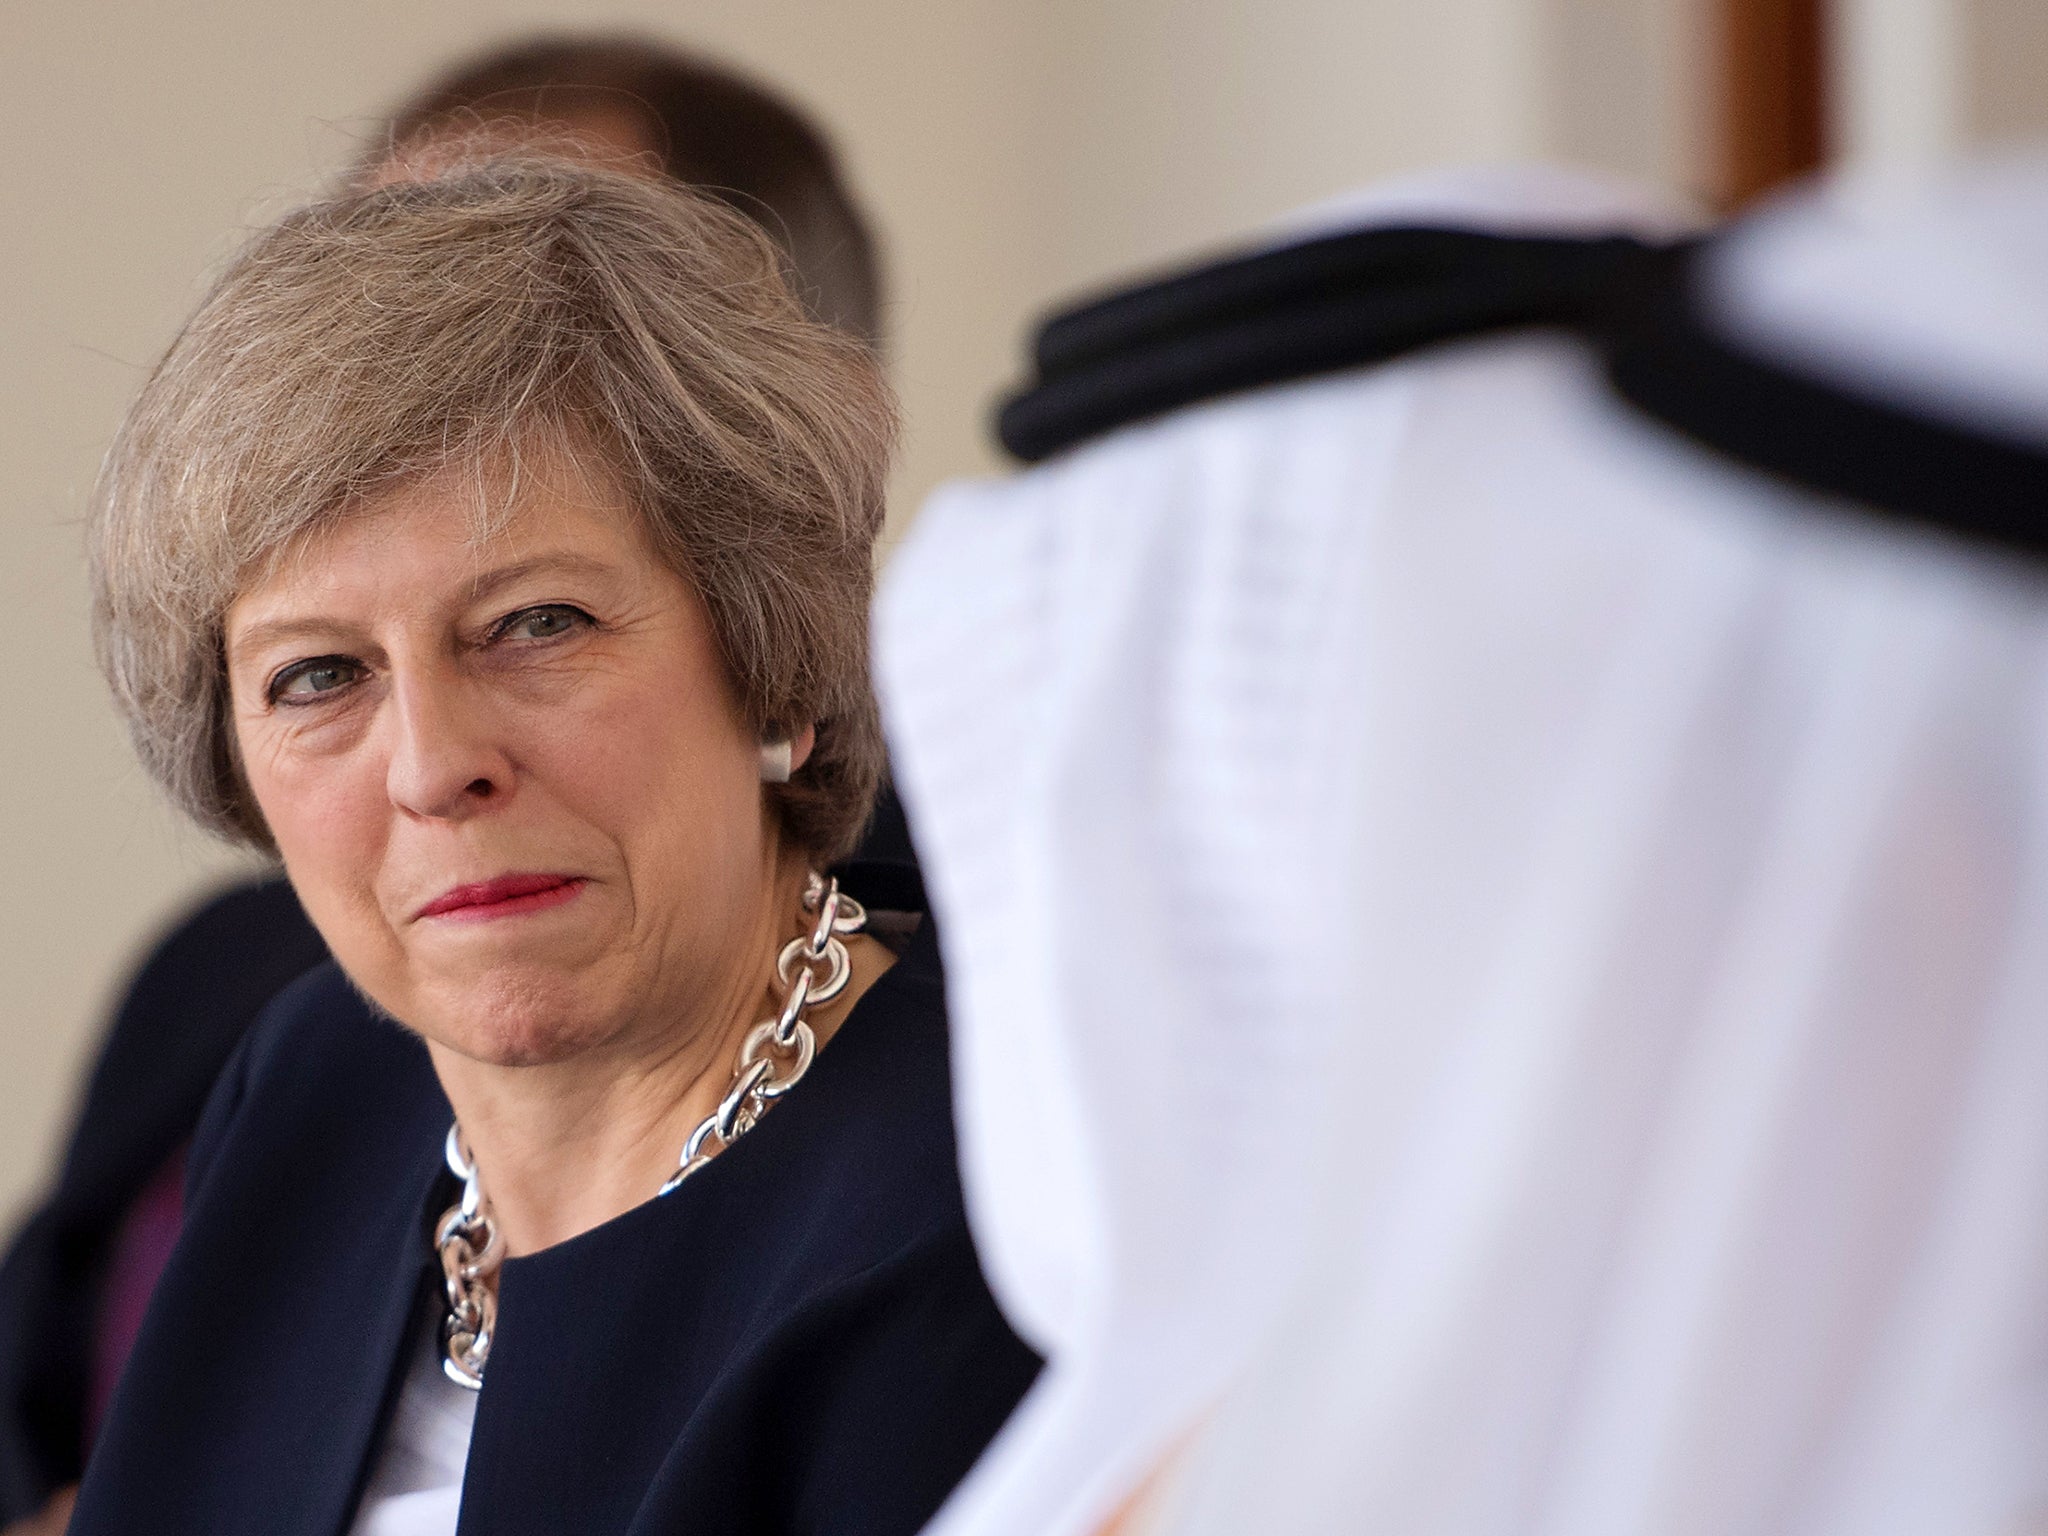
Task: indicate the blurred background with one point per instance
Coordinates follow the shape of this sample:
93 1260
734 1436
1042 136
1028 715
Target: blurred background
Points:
1009 153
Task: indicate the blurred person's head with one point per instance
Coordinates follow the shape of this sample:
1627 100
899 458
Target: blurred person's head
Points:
699 123
501 522
1560 716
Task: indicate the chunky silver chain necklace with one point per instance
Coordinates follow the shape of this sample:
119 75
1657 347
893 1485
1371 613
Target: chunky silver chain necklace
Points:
812 968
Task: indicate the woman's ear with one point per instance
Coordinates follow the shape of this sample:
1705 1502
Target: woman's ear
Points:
800 746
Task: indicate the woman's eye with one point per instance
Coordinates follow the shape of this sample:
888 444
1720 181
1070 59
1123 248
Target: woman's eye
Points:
542 623
307 680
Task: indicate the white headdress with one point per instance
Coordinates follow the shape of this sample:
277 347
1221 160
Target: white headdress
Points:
1499 961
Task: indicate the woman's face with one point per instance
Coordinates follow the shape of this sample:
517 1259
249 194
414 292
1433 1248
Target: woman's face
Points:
507 776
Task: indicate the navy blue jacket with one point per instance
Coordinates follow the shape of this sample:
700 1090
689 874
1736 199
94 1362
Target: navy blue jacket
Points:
179 1022
798 1339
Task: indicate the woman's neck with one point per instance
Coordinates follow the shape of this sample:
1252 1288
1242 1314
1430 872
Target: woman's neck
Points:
566 1146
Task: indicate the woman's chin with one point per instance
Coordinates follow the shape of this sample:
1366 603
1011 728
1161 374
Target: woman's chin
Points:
497 1045
514 1021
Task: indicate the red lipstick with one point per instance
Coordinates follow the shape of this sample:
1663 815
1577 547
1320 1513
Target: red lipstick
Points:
506 896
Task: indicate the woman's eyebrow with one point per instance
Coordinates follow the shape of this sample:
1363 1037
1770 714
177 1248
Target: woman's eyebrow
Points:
559 563
276 631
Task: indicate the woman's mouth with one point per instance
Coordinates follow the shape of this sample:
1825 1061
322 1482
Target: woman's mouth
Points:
506 896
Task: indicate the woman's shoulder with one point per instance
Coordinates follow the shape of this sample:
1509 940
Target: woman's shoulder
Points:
866 1145
270 1342
318 1056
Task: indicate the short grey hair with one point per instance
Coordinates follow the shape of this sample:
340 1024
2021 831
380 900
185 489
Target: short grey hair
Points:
384 334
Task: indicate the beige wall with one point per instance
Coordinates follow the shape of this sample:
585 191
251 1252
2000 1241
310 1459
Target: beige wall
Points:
1919 79
2006 69
1010 149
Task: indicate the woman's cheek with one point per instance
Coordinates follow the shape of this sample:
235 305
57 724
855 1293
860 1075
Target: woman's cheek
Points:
325 808
557 737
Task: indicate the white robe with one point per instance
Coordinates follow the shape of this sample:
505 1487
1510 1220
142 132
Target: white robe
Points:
1499 961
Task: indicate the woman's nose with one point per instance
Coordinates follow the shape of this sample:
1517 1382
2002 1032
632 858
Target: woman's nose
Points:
446 763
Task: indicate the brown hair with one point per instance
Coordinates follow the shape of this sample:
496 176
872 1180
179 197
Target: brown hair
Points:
712 129
402 330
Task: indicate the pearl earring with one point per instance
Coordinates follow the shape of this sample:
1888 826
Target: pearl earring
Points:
776 759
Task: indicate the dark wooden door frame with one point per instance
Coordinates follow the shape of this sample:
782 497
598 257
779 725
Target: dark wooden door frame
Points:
1771 118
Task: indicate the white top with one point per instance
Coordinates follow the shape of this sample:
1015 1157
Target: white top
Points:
1498 963
416 1489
